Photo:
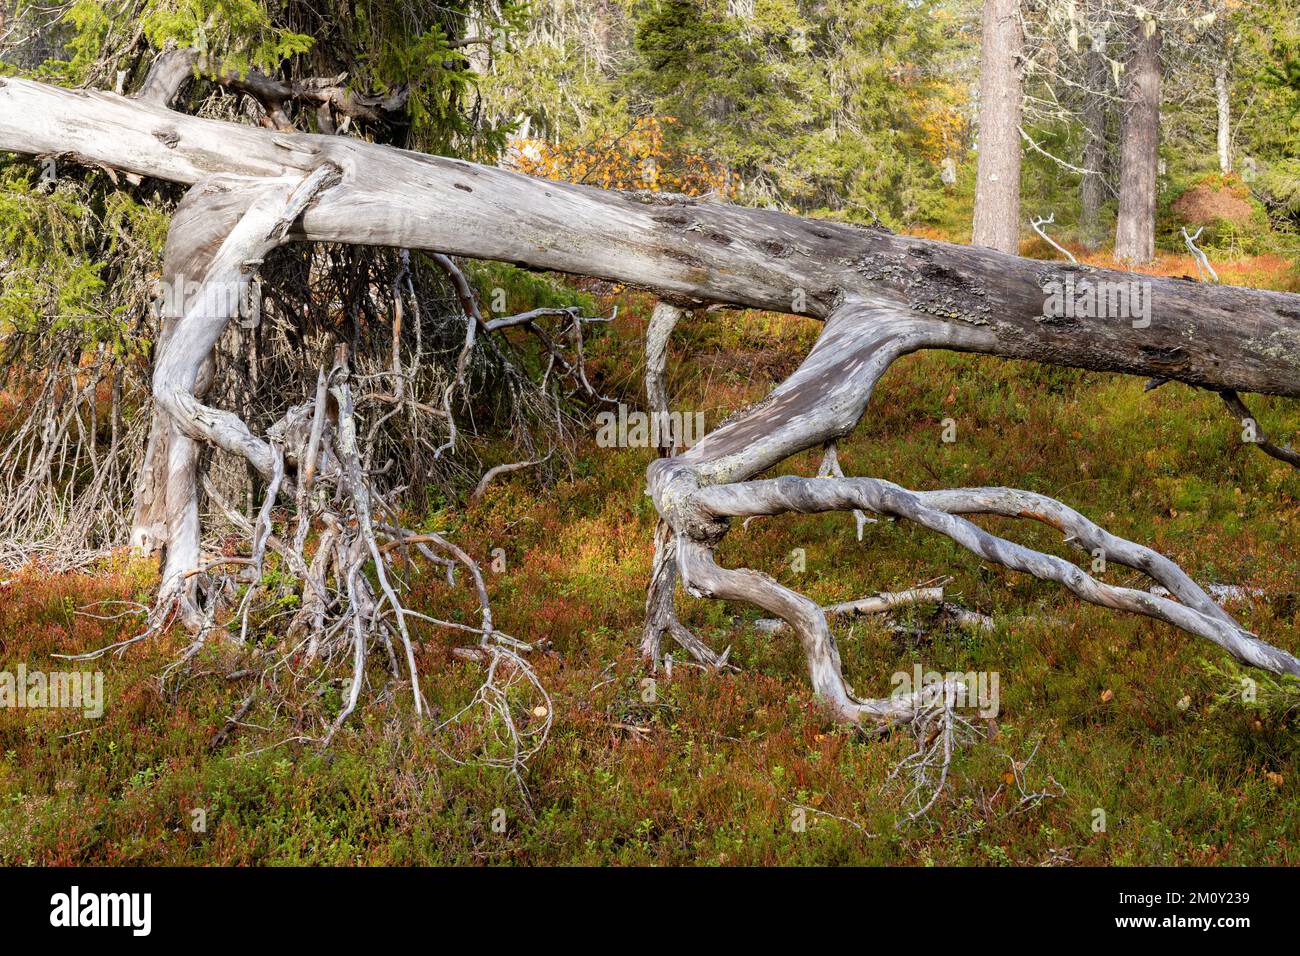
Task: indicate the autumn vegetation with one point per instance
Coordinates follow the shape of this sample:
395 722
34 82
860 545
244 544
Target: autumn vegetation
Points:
853 112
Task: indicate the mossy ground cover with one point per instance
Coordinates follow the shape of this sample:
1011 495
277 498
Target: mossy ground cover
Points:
714 769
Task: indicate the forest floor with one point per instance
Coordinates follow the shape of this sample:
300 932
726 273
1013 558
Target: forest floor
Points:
1099 712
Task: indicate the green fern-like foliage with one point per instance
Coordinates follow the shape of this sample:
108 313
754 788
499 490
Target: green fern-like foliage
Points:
1281 182
65 244
438 50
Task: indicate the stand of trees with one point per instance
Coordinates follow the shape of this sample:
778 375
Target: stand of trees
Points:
1114 91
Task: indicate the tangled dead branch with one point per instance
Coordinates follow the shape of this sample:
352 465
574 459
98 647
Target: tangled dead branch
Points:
939 730
243 321
515 714
1232 401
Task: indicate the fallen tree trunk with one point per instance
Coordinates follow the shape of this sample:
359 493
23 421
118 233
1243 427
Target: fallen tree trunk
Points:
882 296
688 250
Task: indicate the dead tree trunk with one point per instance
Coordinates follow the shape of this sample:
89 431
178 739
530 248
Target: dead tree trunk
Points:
1093 187
1223 104
997 182
1135 230
881 296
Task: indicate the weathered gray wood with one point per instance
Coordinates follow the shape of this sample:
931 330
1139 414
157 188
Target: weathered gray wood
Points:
691 251
223 229
701 490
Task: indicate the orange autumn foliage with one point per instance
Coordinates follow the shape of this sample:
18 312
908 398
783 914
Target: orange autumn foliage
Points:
638 158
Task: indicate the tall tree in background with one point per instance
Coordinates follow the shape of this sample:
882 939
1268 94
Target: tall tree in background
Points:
1083 56
843 106
1135 230
997 189
1223 105
1093 185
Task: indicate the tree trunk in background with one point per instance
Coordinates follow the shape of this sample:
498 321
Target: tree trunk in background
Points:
1225 115
1093 187
1135 231
997 186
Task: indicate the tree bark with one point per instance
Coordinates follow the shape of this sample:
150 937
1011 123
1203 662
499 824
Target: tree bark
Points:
1135 230
997 183
692 252
1092 188
698 492
1223 103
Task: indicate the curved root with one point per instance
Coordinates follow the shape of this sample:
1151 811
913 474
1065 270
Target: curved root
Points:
699 492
